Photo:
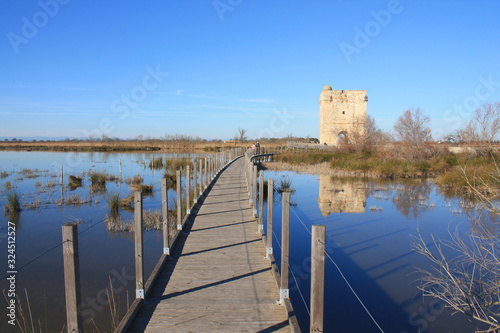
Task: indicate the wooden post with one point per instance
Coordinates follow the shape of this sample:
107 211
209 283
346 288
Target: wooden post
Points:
285 245
201 176
62 175
206 173
261 202
72 277
270 200
120 163
179 200
211 168
139 249
188 190
164 209
195 183
254 187
317 277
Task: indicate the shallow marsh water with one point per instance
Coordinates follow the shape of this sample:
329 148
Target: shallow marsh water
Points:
369 229
105 256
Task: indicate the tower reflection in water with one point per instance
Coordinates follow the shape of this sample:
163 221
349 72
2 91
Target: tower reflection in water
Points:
340 196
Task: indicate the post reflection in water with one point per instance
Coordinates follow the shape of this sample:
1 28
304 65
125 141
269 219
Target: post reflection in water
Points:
340 196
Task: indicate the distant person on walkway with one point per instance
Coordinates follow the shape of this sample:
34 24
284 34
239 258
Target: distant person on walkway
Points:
253 149
257 147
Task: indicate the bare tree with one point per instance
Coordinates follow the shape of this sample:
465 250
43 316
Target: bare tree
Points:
412 129
242 137
484 126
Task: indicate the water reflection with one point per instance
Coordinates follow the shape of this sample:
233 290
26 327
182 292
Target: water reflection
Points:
340 196
412 198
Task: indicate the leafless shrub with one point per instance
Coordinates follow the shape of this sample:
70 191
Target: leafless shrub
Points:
469 281
413 131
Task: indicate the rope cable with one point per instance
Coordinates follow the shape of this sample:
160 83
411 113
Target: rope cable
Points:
343 277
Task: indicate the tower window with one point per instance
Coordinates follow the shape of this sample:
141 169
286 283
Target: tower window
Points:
343 112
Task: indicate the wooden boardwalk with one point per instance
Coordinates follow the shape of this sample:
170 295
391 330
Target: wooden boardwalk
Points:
217 279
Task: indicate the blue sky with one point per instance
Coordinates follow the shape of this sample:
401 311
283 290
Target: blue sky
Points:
204 67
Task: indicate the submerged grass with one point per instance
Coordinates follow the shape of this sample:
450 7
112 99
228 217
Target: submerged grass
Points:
145 189
114 202
98 178
156 163
13 205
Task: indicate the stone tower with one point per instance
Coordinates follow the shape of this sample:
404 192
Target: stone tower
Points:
342 116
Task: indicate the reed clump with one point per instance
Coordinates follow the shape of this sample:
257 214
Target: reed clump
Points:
171 179
137 179
114 202
37 204
4 174
177 163
284 183
8 186
145 189
28 173
13 203
76 200
156 163
98 178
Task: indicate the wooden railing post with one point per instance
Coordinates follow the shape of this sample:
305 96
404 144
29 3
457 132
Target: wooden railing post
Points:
206 174
317 277
254 187
179 200
139 250
209 170
270 200
261 202
285 245
72 277
164 209
195 185
201 176
188 190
